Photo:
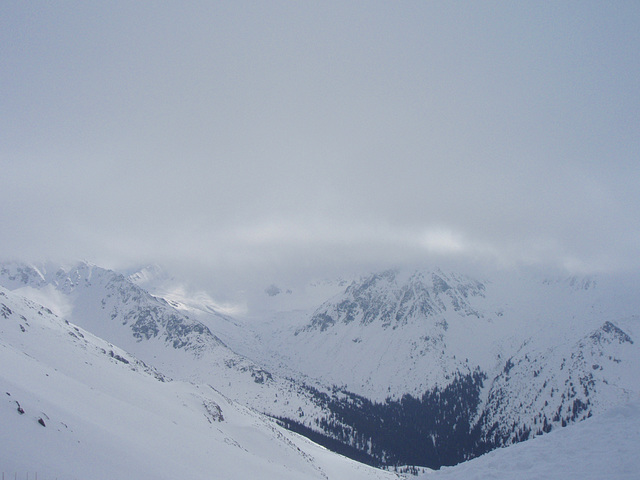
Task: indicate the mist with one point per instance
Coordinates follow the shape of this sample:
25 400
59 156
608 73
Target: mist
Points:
250 142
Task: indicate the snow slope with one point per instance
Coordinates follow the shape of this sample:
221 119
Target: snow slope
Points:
605 446
75 406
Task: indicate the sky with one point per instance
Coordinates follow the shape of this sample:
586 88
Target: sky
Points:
293 138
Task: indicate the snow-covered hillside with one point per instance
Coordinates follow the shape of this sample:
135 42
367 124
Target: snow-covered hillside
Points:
75 406
605 446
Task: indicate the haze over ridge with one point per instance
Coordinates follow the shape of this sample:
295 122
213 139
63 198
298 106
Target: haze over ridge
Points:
286 139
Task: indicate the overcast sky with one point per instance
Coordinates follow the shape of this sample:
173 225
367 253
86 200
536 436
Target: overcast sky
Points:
296 136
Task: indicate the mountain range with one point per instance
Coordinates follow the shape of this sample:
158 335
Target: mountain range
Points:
424 367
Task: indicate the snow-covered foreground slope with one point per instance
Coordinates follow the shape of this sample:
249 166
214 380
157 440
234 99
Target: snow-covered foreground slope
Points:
75 406
605 446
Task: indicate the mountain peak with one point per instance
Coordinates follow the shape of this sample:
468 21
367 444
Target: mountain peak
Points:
391 298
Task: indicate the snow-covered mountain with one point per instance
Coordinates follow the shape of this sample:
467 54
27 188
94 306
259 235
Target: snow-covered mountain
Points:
405 332
104 302
76 406
480 363
427 367
389 333
559 384
162 333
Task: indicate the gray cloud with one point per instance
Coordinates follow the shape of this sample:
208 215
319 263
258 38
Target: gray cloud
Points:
293 137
